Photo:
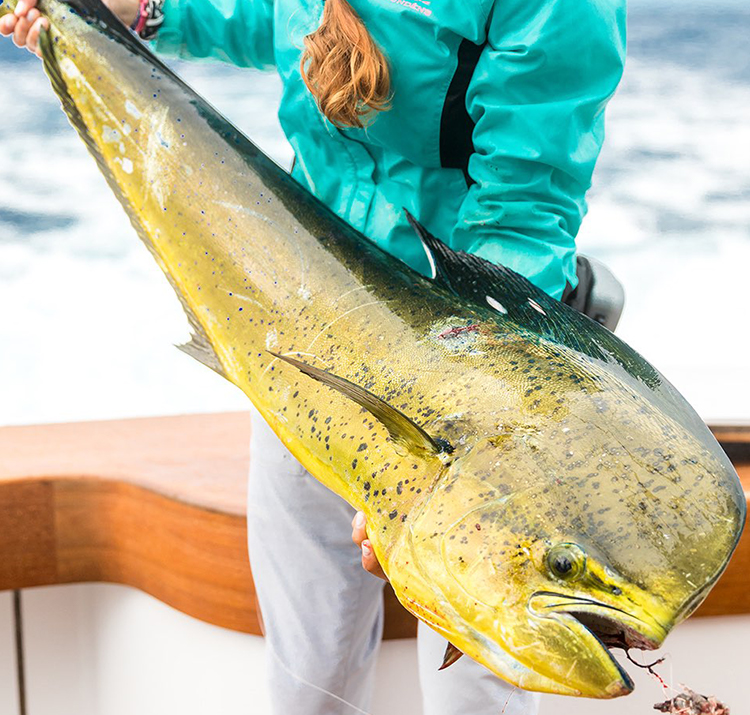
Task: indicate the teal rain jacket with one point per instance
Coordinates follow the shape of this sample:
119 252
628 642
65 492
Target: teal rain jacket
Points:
496 122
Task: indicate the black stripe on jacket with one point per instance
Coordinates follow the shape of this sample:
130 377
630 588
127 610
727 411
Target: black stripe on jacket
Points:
456 126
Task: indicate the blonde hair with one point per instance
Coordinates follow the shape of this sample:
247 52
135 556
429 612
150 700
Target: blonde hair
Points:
344 69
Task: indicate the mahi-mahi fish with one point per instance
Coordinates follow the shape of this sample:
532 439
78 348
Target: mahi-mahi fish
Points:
535 490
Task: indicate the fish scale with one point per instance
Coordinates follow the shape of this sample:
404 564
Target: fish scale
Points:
534 489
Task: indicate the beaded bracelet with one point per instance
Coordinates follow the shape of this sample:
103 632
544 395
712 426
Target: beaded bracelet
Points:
149 19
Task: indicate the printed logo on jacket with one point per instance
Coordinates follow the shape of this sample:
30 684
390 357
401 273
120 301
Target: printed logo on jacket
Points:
420 6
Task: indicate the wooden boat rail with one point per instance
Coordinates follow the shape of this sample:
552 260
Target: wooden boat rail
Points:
159 504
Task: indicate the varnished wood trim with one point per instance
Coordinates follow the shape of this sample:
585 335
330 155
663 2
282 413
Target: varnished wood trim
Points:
159 504
732 432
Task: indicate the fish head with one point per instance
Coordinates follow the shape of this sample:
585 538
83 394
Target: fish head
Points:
548 544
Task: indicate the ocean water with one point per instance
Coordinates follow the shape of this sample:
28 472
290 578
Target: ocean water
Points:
87 321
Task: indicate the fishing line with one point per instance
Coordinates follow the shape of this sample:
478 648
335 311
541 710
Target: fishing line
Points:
650 668
505 707
671 673
643 665
294 675
312 685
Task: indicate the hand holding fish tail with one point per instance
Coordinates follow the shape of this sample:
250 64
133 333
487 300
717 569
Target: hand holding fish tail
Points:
24 24
370 562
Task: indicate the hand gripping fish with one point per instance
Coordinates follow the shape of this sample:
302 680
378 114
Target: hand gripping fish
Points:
535 491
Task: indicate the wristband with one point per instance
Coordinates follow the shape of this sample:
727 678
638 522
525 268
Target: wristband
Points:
149 19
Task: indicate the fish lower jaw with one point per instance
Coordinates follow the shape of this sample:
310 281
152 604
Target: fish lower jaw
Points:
618 690
615 634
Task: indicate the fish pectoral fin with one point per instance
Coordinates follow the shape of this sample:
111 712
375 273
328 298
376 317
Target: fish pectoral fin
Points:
452 654
401 429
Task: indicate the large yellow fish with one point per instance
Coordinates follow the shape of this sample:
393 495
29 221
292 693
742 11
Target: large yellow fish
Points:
534 489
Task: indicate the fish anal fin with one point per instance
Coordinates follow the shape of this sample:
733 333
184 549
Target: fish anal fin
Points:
200 348
401 428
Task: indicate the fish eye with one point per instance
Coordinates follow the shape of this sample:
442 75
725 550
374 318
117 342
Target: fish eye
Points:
566 561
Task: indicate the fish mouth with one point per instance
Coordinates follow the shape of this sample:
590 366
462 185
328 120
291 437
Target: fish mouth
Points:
602 627
613 633
613 626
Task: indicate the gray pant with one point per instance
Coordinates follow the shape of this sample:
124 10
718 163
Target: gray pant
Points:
323 613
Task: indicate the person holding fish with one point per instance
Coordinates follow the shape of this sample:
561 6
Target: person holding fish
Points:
485 119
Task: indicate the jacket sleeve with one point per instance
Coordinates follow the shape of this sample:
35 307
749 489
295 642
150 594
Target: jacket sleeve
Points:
537 98
236 31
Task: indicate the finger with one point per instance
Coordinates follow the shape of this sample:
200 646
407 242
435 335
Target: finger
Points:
23 7
7 25
370 562
22 29
359 528
32 41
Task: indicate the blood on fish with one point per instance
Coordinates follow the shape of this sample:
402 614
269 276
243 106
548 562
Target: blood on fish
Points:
452 332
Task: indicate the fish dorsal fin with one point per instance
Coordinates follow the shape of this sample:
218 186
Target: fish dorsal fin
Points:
433 248
511 295
401 429
479 280
496 287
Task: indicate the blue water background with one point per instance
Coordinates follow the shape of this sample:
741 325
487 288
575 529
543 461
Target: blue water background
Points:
87 320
